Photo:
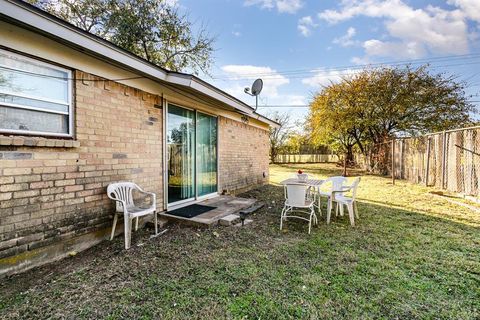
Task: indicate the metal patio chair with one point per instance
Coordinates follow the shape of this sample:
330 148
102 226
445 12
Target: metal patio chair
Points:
299 198
122 194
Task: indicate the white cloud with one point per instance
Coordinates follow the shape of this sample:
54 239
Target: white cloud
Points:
346 40
237 33
282 6
398 49
360 60
471 8
243 75
305 25
324 77
293 99
413 32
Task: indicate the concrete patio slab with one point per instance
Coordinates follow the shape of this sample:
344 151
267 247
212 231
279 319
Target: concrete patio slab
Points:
224 205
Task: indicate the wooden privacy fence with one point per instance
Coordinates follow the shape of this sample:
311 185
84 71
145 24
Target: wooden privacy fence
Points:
448 160
305 158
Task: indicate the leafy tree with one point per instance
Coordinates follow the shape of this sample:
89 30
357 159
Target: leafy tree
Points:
375 105
152 29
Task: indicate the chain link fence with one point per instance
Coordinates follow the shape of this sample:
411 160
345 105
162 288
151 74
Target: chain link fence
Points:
448 160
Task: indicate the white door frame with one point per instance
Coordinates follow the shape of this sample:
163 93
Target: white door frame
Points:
196 198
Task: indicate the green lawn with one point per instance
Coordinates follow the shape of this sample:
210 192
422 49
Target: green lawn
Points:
411 255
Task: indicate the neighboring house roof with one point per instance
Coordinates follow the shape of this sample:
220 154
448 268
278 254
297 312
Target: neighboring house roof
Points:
31 17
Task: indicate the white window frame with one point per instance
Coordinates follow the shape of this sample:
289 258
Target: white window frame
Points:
69 103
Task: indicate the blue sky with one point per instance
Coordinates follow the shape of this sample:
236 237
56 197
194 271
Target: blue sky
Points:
296 46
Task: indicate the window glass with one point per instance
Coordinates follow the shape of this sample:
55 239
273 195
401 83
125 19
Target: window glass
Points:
34 96
28 120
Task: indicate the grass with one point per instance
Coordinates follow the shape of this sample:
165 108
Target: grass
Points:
411 255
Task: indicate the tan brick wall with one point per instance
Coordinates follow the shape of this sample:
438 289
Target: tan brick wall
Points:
243 155
52 194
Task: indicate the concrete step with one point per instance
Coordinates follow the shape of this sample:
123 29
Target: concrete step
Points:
229 220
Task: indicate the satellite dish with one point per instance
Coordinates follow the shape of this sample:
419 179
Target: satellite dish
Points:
257 87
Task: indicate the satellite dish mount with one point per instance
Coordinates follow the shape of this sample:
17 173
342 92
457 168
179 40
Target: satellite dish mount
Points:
257 87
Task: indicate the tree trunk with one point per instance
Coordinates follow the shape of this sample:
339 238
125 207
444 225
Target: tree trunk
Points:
349 157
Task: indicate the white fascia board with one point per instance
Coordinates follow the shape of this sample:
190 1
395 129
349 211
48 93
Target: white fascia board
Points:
220 96
271 123
198 85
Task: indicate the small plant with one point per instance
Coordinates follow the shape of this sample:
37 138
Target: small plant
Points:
300 171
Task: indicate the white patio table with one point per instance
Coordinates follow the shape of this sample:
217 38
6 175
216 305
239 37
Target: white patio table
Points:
315 183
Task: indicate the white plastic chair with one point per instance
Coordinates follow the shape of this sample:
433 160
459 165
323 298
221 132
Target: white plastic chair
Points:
336 184
349 202
299 198
122 194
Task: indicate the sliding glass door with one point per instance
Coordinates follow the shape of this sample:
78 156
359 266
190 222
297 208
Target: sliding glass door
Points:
191 154
180 154
206 154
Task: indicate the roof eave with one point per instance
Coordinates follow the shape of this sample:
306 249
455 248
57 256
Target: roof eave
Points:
26 14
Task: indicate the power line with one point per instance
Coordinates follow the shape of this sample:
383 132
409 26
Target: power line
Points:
330 76
307 106
286 106
351 71
391 63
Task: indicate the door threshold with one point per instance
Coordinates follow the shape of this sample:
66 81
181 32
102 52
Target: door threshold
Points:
188 203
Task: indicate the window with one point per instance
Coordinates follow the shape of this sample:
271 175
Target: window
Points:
35 97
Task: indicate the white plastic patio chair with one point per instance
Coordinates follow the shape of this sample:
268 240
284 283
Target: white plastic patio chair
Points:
335 184
349 202
299 198
315 189
122 194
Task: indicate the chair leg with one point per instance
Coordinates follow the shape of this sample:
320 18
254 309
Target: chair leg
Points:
351 214
341 209
136 224
319 204
115 219
281 218
155 221
128 232
356 209
336 209
312 212
329 210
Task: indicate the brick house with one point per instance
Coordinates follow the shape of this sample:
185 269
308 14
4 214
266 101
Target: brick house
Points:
77 113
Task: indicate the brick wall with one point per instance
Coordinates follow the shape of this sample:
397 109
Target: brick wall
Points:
49 194
243 155
53 191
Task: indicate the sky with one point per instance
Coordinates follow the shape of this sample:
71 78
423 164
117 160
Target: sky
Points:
298 46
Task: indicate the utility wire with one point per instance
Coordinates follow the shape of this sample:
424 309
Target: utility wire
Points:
350 71
307 106
391 63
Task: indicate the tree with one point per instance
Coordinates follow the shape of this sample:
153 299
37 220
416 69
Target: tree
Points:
152 29
376 105
278 136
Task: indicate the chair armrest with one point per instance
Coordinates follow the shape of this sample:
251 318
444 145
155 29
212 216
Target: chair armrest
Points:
153 195
345 190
